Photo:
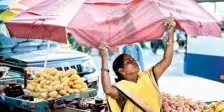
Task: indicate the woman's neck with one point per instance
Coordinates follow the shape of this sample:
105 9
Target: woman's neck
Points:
132 78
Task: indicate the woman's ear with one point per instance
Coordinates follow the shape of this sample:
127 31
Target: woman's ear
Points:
121 71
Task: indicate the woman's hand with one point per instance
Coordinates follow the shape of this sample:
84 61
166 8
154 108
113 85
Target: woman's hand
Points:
170 24
103 49
160 67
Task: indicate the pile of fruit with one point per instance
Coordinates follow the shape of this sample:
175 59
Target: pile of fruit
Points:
51 83
216 107
181 104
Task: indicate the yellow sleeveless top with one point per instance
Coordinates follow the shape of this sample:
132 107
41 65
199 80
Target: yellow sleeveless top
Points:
144 93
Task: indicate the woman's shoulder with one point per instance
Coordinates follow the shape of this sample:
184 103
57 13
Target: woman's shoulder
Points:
119 83
149 73
123 83
145 72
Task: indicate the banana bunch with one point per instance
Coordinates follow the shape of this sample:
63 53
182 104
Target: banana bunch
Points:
216 107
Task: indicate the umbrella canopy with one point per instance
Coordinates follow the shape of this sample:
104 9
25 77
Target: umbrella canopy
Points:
30 3
12 11
13 8
114 21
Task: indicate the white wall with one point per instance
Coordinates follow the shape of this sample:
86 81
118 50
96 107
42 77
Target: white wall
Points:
206 45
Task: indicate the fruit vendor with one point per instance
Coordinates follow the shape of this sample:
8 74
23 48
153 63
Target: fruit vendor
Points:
135 91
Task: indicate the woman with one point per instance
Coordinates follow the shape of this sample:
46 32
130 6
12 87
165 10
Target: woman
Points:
135 91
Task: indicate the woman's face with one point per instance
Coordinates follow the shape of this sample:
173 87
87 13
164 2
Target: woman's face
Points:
130 66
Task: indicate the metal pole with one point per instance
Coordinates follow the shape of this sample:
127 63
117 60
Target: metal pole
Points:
47 51
215 7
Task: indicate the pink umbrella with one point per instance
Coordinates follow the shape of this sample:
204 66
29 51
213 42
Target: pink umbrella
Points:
30 3
114 21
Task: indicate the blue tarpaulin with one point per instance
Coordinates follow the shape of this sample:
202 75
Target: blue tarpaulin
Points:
4 4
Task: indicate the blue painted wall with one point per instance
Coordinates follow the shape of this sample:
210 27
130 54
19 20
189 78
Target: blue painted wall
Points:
205 66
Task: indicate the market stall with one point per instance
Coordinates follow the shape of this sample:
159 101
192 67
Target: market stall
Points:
45 89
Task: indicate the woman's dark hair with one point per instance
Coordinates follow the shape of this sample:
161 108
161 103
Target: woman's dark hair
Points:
118 63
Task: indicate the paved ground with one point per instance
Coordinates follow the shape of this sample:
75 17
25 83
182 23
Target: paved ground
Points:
174 81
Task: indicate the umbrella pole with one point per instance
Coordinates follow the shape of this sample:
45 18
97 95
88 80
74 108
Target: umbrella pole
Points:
47 51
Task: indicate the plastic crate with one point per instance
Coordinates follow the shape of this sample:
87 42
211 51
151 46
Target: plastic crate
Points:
7 81
43 105
12 76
